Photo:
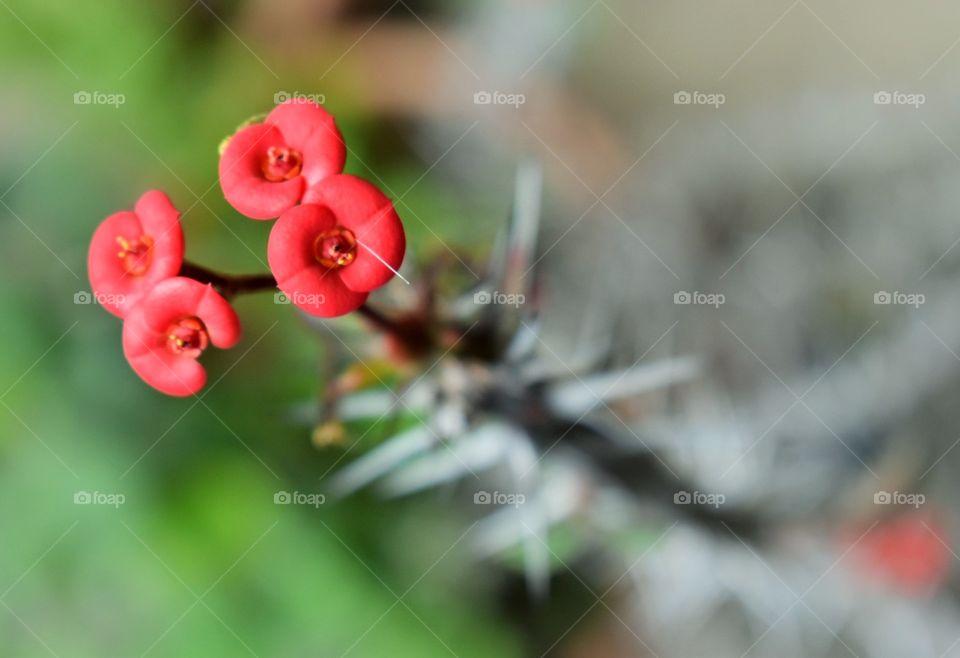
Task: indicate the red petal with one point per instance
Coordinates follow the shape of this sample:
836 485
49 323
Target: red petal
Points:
291 245
319 291
169 373
161 221
115 288
223 325
108 279
311 130
308 284
168 302
145 333
156 212
365 210
241 174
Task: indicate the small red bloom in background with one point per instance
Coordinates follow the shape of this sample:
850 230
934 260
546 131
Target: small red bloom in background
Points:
132 251
267 167
171 326
910 552
344 241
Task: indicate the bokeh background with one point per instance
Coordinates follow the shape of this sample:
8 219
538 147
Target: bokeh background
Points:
747 222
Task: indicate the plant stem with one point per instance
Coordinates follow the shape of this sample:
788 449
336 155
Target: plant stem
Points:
377 318
229 284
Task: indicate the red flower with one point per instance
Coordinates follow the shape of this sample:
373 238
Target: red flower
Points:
267 167
910 552
344 241
169 329
131 251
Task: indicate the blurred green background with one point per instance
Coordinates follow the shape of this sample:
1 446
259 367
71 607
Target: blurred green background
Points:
198 560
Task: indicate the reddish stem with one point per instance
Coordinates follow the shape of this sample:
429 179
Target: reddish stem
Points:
377 319
230 285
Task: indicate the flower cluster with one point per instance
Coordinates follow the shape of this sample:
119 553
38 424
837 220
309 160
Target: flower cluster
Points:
336 238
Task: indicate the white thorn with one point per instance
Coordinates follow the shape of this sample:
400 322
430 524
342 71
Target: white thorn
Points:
377 256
